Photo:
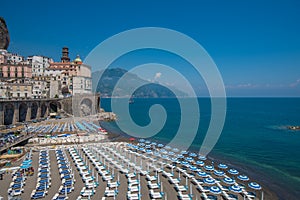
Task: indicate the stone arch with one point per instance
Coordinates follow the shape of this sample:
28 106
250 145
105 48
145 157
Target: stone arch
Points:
34 110
86 106
9 111
54 106
43 109
22 112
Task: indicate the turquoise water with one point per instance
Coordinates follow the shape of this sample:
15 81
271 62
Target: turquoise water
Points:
254 135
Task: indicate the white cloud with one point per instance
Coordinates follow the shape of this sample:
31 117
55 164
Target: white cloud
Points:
295 84
239 86
157 75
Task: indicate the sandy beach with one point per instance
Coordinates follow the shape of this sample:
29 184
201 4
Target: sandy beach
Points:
121 157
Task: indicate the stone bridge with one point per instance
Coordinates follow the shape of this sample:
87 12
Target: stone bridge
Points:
14 111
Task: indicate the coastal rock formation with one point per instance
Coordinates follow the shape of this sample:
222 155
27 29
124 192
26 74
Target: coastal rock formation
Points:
4 35
110 77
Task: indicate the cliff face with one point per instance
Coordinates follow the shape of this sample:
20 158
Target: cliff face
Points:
4 35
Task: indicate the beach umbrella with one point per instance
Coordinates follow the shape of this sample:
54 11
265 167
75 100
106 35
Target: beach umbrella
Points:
235 188
129 145
193 168
189 159
228 181
165 157
209 167
199 162
25 166
171 153
243 177
168 147
192 154
219 173
147 141
254 186
156 153
140 140
184 152
160 145
175 149
215 190
174 159
209 181
222 166
184 162
202 157
180 156
202 174
141 144
27 161
148 151
233 171
147 146
163 151
153 143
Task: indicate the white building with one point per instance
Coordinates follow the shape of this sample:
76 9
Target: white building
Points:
39 89
39 64
82 85
14 58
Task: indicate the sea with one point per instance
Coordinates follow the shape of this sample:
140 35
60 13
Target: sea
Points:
255 138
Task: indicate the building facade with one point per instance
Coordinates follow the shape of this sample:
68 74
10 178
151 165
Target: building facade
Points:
39 64
15 70
40 88
14 58
73 77
40 77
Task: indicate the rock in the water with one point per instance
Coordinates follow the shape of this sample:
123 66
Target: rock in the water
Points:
4 35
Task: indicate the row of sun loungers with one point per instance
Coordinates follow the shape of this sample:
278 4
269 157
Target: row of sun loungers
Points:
111 189
66 175
109 160
90 183
16 187
43 176
67 127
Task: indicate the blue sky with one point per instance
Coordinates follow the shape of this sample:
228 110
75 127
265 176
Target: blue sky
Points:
255 44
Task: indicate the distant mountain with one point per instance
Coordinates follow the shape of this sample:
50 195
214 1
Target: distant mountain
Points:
149 90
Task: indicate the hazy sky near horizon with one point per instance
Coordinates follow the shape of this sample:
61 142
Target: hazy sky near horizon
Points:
255 44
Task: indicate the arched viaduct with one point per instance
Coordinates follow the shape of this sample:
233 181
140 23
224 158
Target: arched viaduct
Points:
14 111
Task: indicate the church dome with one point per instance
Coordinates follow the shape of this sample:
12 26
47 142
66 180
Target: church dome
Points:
78 59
